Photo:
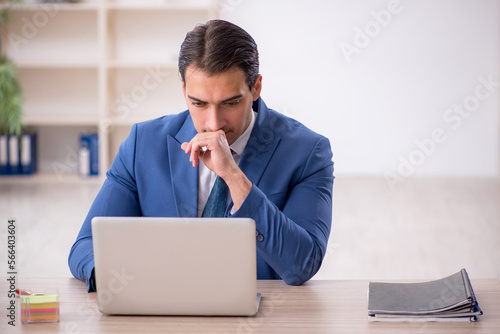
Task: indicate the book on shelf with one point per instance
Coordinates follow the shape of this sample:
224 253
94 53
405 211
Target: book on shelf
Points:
18 154
4 155
447 299
88 155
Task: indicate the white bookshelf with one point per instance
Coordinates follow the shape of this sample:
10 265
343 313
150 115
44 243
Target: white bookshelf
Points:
97 66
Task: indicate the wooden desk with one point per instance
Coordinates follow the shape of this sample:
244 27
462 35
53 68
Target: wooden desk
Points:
316 307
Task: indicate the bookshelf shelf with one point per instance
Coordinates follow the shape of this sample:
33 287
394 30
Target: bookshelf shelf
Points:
53 7
138 64
96 65
60 121
50 178
166 6
76 64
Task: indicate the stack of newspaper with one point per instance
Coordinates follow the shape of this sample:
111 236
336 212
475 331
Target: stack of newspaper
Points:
447 299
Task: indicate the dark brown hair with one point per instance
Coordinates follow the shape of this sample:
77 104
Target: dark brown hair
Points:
217 46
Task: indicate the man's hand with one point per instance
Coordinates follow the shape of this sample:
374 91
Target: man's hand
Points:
218 158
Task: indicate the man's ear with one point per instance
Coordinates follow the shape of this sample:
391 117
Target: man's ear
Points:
183 88
257 87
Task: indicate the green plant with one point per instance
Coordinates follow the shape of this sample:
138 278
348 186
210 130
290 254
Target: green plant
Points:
10 99
10 92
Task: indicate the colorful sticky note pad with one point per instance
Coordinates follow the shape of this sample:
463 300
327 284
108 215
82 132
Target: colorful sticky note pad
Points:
40 308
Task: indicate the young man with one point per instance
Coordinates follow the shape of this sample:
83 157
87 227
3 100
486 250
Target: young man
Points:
267 166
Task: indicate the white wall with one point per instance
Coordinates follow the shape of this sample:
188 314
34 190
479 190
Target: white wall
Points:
377 97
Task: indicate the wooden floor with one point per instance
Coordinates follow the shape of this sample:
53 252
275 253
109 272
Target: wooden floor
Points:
423 229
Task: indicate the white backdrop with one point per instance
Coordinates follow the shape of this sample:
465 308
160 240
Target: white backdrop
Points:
401 88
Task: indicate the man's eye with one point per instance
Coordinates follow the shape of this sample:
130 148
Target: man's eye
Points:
232 103
198 104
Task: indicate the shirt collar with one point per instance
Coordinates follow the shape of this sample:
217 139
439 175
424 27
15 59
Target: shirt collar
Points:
239 145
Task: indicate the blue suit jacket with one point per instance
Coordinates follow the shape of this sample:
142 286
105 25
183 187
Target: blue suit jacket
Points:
291 170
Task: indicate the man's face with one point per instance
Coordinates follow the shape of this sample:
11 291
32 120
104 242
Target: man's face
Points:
222 101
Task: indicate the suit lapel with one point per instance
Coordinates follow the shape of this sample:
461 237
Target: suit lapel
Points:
184 177
261 144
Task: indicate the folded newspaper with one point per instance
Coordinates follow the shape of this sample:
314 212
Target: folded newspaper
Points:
447 299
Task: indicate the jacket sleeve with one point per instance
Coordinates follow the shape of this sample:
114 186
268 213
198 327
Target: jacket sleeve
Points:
293 240
117 197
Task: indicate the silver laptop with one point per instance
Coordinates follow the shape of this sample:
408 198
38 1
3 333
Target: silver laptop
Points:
175 266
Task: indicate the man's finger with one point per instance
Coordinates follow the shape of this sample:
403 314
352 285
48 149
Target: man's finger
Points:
186 147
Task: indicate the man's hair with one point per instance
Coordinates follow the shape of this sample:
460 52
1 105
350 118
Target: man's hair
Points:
218 46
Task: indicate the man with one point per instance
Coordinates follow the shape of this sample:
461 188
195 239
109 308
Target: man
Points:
276 170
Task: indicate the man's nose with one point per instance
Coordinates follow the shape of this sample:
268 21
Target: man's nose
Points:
214 120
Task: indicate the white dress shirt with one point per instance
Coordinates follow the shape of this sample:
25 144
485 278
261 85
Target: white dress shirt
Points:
206 178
